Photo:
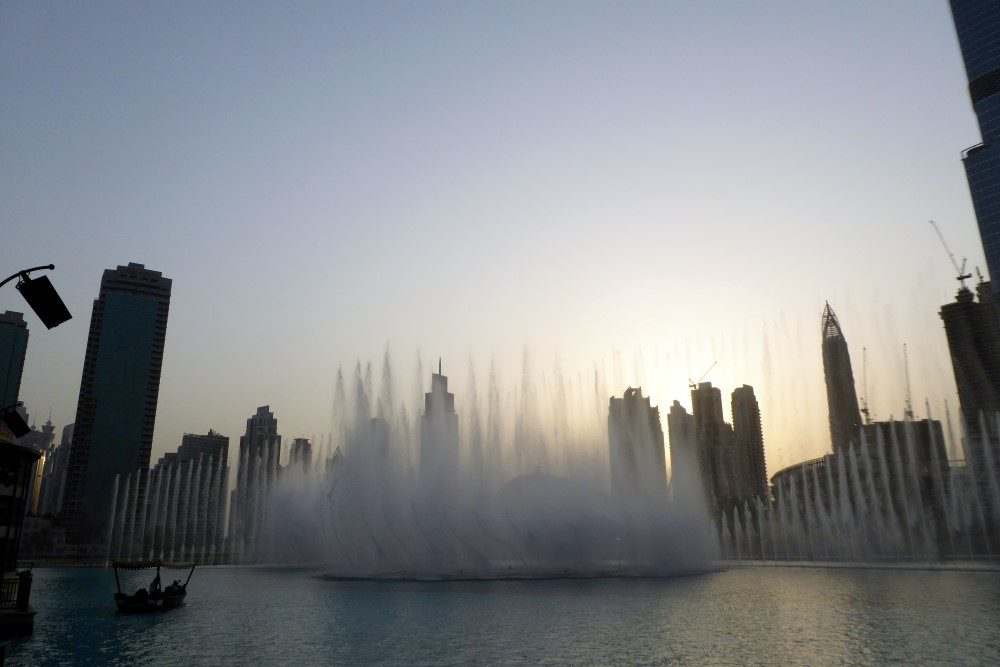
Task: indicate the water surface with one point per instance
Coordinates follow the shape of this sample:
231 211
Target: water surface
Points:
753 615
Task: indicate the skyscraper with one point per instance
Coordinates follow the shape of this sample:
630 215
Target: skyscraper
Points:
260 452
750 440
116 408
195 477
977 23
300 454
841 396
722 462
687 478
439 440
54 482
635 441
13 347
973 334
42 440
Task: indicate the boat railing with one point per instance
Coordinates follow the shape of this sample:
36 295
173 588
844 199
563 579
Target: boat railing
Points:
15 590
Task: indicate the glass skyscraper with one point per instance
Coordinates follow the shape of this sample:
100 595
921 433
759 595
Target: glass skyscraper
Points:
13 347
841 396
977 23
118 393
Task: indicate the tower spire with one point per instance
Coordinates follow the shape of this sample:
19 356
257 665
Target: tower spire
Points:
439 365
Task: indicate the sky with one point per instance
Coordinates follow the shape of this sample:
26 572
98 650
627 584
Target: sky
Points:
645 188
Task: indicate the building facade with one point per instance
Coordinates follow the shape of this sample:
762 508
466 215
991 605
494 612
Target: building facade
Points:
749 434
13 348
183 513
257 471
300 454
42 440
977 23
54 477
841 395
116 409
973 333
721 460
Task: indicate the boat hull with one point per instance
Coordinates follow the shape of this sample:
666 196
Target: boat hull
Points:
131 604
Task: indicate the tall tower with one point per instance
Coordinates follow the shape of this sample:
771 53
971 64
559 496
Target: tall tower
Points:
260 452
977 23
116 409
635 441
841 396
720 460
300 455
974 342
13 347
750 440
688 479
439 440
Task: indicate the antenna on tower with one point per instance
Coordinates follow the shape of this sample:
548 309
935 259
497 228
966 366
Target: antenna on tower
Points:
962 275
864 386
439 365
908 412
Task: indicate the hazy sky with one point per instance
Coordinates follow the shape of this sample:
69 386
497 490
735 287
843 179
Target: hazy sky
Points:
680 182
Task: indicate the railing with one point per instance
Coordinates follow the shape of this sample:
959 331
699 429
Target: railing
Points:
15 590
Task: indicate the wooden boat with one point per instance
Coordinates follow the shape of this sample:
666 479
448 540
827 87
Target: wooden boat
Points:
156 598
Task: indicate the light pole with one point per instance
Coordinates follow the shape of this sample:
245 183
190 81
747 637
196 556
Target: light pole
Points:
41 296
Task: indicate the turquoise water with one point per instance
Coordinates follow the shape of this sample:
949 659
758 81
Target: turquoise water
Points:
755 615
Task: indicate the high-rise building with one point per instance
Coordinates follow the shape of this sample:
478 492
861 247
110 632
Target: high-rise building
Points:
42 440
116 409
439 469
13 347
688 478
186 506
212 445
841 396
750 439
722 462
683 443
300 454
260 453
973 334
54 479
635 441
977 23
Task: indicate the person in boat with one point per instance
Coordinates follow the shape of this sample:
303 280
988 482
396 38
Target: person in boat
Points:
141 595
154 586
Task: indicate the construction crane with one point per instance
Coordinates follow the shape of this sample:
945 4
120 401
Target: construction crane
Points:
962 275
694 385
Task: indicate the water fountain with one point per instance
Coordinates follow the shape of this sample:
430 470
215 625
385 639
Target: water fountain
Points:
878 502
512 484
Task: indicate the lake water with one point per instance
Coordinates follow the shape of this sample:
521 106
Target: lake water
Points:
752 615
